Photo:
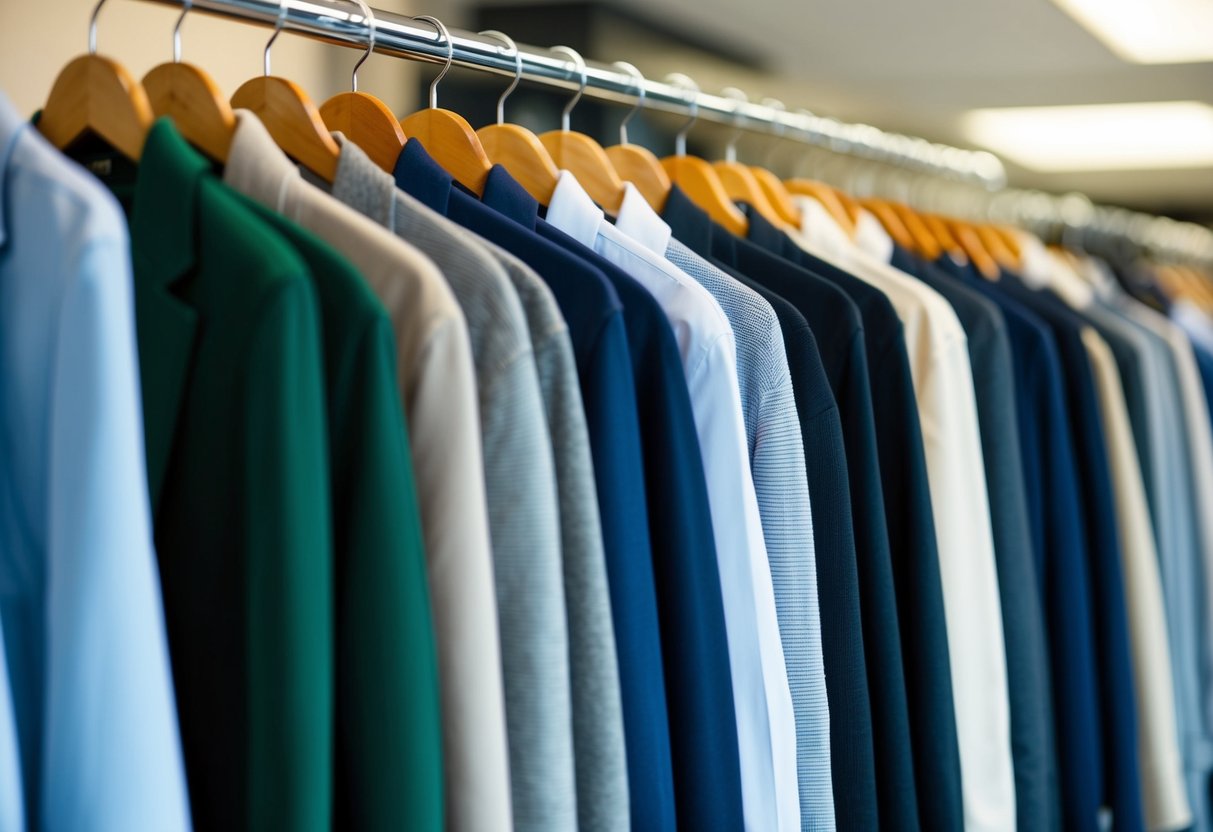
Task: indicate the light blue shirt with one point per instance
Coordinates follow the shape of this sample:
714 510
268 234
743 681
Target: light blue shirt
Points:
766 725
777 461
80 607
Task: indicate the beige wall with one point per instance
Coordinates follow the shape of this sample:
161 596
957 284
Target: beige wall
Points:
37 37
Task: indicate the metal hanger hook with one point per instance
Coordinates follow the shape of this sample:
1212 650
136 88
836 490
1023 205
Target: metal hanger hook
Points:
185 9
730 151
92 27
685 82
283 8
639 79
509 42
579 64
368 17
445 35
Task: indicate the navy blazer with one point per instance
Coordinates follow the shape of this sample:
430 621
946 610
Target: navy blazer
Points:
1033 744
1060 545
702 718
594 316
1122 784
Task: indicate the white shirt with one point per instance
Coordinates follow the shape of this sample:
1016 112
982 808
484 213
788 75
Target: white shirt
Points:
947 407
766 726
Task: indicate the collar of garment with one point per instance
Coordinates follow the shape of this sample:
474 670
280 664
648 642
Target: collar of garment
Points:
417 173
573 212
688 222
255 164
821 231
11 126
503 194
1067 283
764 233
163 217
359 181
638 220
871 237
1035 268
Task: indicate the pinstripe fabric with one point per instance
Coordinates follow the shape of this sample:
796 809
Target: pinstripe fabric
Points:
598 739
520 481
777 460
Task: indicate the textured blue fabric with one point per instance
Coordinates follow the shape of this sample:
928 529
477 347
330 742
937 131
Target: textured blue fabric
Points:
778 451
1122 781
594 315
1033 745
1060 547
703 733
839 334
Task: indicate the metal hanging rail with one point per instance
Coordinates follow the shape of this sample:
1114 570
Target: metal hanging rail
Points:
342 22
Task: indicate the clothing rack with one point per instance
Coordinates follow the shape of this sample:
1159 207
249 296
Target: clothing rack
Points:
342 22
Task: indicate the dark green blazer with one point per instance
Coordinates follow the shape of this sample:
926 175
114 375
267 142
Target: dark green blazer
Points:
237 455
389 738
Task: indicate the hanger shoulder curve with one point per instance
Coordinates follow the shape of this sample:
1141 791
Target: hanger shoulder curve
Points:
368 123
777 195
639 166
95 93
584 158
741 186
293 122
520 152
702 185
190 97
894 226
829 199
453 143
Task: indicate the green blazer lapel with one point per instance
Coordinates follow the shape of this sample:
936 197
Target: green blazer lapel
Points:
163 236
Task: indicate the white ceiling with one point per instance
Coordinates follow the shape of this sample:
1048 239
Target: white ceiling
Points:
916 65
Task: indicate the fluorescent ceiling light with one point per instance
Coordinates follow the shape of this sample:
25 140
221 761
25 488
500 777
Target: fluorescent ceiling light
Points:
1169 134
1149 31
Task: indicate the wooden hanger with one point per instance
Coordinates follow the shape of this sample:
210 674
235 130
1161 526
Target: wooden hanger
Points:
997 246
920 237
771 185
779 196
739 182
891 222
94 94
516 148
973 246
697 178
637 164
446 135
362 118
190 97
290 116
830 199
581 155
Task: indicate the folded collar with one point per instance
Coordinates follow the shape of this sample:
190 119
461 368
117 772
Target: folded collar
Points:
638 220
573 212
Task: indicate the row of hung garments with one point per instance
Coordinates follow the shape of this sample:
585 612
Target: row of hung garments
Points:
371 504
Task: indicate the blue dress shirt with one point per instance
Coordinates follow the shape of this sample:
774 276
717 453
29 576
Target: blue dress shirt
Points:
80 600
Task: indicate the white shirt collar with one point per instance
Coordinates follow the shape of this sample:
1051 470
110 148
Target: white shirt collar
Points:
1035 264
820 230
638 220
1067 283
573 212
872 238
